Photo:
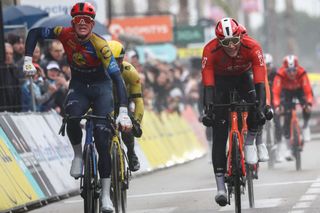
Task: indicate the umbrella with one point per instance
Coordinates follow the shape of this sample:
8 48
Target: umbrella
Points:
65 21
21 14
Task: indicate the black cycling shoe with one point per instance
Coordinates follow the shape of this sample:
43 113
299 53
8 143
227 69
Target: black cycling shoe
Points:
134 164
221 199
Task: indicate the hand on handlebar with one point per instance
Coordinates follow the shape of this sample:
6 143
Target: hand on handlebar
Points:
124 120
208 119
268 111
136 128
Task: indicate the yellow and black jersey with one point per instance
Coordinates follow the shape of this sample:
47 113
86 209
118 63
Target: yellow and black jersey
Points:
134 89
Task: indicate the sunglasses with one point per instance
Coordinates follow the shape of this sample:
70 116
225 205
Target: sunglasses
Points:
226 42
82 20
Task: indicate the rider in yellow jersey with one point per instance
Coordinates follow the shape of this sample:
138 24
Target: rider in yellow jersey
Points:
134 92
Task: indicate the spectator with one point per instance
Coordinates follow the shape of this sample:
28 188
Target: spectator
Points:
42 90
56 78
10 77
55 53
17 43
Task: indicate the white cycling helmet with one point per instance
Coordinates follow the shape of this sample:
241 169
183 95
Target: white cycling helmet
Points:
268 59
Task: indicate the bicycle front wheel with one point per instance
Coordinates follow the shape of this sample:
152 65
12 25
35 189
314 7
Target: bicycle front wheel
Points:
250 177
124 185
116 181
236 172
297 149
90 181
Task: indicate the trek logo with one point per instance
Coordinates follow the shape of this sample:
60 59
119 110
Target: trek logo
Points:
204 62
260 57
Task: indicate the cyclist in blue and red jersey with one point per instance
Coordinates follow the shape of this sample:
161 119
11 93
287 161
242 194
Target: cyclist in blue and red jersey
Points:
227 64
292 81
94 71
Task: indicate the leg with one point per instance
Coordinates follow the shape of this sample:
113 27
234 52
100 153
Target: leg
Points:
306 114
128 140
102 105
76 105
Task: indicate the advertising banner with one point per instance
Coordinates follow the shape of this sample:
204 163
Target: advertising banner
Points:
17 186
40 139
26 155
153 29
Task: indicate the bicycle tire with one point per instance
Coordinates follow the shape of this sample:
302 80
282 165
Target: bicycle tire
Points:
124 185
250 185
116 186
270 146
91 203
236 171
296 149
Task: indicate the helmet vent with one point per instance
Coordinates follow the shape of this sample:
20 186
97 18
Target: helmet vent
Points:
228 30
81 5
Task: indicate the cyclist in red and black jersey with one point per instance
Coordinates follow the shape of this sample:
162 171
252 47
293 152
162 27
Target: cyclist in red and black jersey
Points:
94 70
292 81
227 64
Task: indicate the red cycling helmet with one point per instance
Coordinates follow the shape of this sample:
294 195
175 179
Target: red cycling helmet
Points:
243 29
83 8
290 62
227 28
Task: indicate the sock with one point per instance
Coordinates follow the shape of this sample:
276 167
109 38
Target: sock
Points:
77 149
220 182
250 138
259 138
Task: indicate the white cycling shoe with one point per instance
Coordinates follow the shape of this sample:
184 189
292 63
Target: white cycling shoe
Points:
263 154
76 167
107 205
306 134
250 154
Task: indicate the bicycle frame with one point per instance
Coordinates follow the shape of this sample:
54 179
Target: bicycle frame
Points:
235 129
294 124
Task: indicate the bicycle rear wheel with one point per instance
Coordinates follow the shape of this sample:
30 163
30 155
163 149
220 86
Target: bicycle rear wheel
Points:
236 172
297 149
124 185
90 181
116 184
270 146
250 178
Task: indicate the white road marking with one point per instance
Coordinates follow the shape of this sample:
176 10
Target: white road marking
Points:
259 204
302 205
313 191
214 189
308 197
160 210
296 211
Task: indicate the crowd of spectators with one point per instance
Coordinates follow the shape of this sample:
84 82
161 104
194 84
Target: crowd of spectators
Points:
166 86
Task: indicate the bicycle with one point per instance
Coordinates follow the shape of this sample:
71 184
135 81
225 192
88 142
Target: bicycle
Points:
251 170
296 142
271 145
90 187
120 172
236 170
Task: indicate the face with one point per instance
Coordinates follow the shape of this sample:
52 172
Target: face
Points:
83 26
292 73
231 46
9 54
56 50
18 47
36 54
52 74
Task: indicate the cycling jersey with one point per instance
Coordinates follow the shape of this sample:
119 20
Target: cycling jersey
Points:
216 62
91 61
132 80
283 82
